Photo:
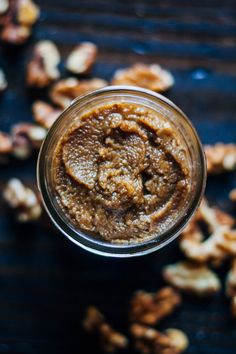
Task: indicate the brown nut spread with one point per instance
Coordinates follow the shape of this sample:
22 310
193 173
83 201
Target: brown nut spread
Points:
121 173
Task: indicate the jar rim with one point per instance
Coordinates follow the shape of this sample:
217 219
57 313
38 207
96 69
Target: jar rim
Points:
97 246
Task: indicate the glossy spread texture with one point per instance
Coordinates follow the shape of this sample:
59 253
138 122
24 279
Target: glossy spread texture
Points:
121 173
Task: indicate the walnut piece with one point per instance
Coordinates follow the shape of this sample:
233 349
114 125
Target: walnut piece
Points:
3 81
231 286
23 200
17 18
66 90
42 69
6 145
221 242
26 137
152 77
150 308
110 340
220 158
192 277
45 114
81 59
147 340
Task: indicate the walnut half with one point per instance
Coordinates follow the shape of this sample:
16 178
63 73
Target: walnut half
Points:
232 195
152 77
150 308
22 141
82 58
147 340
215 248
220 158
192 277
66 90
42 69
231 286
110 340
23 200
16 18
26 137
45 114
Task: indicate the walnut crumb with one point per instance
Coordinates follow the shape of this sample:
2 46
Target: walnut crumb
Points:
147 340
220 158
110 340
81 59
66 90
23 200
152 77
150 308
191 277
45 114
42 69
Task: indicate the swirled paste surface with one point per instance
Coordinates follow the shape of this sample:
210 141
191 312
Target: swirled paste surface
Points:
121 173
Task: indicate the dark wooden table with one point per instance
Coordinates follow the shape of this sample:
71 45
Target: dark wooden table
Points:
45 281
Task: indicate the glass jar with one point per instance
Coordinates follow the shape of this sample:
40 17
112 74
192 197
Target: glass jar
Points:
133 95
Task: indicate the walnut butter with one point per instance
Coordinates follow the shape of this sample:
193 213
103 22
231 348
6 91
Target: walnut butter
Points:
121 172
